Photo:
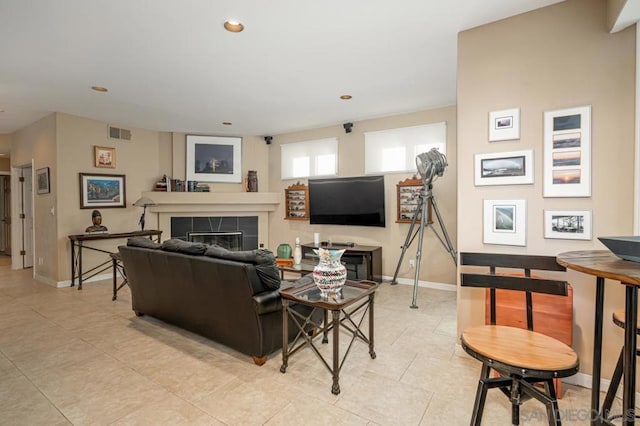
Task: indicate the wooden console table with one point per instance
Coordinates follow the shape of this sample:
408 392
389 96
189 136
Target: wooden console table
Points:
370 256
78 241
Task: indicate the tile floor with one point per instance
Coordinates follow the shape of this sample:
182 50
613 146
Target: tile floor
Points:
76 357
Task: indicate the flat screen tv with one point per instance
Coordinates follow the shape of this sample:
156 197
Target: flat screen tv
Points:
357 201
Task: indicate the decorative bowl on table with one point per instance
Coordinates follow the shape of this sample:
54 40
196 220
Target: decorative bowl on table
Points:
329 274
627 248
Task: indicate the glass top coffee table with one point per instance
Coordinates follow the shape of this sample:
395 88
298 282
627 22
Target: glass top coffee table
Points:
355 298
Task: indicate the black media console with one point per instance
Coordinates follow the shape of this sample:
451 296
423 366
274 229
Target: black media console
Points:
362 262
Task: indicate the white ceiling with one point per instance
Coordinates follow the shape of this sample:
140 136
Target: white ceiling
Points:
169 65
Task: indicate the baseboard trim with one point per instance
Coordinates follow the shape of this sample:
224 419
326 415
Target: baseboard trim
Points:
67 283
45 280
426 284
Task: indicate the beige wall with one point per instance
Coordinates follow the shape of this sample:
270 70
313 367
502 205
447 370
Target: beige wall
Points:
552 58
37 143
437 265
138 160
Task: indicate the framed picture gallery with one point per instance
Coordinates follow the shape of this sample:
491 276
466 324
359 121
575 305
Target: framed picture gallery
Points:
504 168
214 159
505 222
567 152
504 125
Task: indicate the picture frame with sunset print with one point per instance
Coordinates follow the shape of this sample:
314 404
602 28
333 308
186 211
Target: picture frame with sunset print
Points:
567 152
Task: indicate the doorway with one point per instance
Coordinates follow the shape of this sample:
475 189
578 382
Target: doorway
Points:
5 214
22 212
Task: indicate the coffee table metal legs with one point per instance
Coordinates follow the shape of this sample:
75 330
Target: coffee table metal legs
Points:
630 340
335 323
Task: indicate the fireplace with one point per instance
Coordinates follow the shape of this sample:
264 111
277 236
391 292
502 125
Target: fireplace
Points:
232 232
229 240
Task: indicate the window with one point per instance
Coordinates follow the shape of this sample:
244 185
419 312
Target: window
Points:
395 150
309 158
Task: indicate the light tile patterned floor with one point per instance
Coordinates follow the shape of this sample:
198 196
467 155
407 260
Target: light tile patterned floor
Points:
76 357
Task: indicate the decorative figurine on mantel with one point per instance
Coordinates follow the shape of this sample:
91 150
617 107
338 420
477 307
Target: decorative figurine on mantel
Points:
97 226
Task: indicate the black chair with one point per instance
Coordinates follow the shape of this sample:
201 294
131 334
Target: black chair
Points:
521 357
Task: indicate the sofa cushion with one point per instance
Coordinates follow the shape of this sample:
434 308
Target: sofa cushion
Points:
185 247
264 260
143 242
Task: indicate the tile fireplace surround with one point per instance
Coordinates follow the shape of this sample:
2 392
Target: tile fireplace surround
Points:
236 205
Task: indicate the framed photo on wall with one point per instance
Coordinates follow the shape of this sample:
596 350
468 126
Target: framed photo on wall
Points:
101 190
104 157
504 168
567 224
504 125
214 159
567 152
42 181
505 222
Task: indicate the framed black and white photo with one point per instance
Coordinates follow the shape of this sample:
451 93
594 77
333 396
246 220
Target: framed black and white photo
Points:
102 190
505 222
214 159
42 181
504 168
567 152
567 224
504 125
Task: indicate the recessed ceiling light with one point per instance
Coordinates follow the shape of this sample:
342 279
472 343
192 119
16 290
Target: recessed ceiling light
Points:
227 123
99 89
345 97
233 26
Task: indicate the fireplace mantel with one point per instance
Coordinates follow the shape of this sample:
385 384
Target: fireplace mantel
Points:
172 204
184 202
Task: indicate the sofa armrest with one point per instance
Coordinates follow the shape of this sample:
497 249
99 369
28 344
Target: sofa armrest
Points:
267 301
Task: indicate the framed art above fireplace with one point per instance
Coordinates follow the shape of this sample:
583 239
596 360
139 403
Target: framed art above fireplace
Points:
214 159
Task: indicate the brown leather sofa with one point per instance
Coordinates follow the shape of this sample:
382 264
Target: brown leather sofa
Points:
230 297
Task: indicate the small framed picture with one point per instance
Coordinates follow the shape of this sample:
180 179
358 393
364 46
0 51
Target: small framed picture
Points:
101 190
504 125
567 224
505 222
105 156
42 181
567 152
504 168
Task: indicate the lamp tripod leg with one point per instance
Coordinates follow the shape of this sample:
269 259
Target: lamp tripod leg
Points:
447 241
423 221
407 242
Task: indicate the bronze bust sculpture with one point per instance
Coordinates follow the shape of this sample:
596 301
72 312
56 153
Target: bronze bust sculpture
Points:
97 226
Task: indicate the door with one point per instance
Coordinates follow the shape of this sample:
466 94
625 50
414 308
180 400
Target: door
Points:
5 214
26 216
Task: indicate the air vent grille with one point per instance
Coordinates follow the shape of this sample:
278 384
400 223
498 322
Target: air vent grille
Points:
118 133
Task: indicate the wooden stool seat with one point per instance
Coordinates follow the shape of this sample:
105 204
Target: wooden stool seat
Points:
540 355
618 319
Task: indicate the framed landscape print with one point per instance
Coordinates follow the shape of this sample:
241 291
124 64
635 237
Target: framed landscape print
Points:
214 159
504 125
567 152
104 157
42 180
101 190
567 224
505 222
504 168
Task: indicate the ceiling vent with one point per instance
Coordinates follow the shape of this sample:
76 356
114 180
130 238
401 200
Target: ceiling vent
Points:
118 133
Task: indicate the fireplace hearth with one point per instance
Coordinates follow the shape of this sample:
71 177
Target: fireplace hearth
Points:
233 232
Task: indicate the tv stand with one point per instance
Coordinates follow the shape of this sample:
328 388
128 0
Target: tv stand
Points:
362 262
325 244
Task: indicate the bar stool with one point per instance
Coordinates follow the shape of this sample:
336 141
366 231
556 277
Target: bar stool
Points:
118 268
618 319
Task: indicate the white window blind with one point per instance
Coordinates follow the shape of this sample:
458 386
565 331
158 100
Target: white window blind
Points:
395 150
310 158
